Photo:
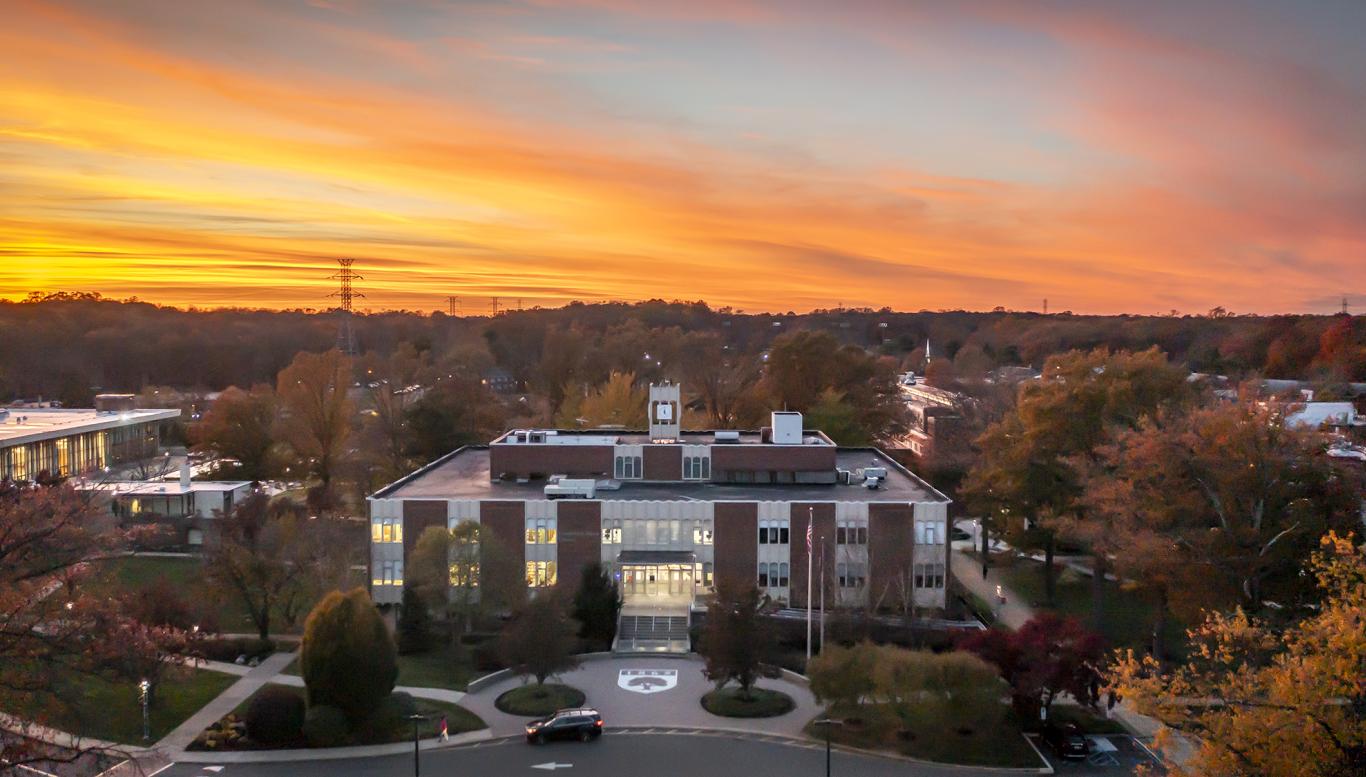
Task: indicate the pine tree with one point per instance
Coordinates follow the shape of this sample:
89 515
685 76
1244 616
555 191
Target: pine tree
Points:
414 624
596 606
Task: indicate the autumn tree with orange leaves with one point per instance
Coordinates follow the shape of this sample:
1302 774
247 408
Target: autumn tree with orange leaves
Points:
1267 701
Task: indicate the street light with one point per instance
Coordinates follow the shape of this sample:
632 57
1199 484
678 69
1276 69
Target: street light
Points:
416 718
144 688
827 723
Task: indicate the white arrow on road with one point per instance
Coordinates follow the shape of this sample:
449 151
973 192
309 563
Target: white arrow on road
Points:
552 766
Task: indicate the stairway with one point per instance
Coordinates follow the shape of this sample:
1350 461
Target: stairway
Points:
662 633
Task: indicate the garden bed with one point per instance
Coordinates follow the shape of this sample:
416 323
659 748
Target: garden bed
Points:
760 703
538 700
928 738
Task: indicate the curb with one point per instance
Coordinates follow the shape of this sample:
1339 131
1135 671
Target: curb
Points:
328 753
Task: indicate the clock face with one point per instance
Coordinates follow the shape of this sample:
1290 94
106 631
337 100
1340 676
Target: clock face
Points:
664 412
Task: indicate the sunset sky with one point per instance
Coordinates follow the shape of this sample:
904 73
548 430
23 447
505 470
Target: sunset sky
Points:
1109 156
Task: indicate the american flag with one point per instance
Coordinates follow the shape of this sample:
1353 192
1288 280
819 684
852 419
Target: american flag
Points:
808 536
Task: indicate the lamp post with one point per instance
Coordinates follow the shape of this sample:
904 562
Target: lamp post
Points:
416 718
144 689
826 723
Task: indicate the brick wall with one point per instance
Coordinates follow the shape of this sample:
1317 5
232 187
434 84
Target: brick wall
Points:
506 521
580 539
794 458
824 516
891 545
736 542
418 515
662 462
572 460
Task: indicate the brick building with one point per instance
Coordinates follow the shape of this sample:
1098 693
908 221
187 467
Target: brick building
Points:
672 513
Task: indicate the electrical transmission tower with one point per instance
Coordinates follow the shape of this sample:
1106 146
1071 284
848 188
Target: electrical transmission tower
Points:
346 337
453 306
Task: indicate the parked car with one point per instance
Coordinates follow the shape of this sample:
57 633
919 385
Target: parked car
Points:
1066 739
581 724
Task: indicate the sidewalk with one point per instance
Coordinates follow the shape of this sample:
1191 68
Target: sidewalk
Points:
1016 612
226 702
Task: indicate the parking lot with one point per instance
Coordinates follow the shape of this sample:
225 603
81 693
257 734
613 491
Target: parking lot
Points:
1111 755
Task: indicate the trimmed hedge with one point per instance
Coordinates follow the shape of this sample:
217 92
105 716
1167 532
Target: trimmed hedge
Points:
275 716
325 726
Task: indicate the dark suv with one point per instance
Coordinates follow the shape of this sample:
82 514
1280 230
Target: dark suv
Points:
1066 739
581 724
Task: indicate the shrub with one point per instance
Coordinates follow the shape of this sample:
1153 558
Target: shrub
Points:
325 726
391 713
414 624
275 716
348 659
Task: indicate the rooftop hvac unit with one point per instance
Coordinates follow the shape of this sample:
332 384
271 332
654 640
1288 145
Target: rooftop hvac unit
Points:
787 427
728 436
561 487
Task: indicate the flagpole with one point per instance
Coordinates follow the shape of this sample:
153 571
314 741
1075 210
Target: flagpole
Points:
810 519
822 642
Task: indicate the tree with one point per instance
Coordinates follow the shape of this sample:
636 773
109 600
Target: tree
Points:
54 628
736 639
810 371
1220 505
315 418
540 640
348 659
954 686
414 623
274 562
1032 472
1048 656
456 411
239 425
843 676
462 573
1265 700
618 402
596 605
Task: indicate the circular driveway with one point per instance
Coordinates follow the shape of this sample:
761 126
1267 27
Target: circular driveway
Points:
664 691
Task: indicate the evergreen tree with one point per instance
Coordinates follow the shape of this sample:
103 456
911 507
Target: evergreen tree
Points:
596 606
414 624
348 659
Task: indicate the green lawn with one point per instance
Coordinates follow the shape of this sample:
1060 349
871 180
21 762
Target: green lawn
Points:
102 709
1129 611
762 703
930 738
133 573
441 668
535 700
458 720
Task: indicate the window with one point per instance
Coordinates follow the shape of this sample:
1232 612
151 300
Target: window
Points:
852 575
540 574
540 531
850 533
696 468
927 533
929 575
611 532
782 576
701 533
386 530
465 575
763 575
389 573
627 467
651 532
773 533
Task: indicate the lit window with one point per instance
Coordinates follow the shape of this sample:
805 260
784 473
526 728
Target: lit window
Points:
540 574
701 533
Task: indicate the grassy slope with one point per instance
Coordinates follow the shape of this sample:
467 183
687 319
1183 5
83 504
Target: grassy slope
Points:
108 710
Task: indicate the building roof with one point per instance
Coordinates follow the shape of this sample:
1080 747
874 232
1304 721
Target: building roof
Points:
158 487
601 436
1316 414
464 474
25 425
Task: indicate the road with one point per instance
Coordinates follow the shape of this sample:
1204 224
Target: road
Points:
620 753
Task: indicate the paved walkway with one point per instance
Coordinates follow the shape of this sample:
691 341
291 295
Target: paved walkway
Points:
677 706
1016 611
225 702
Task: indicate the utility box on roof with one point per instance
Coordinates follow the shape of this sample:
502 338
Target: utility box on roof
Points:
787 427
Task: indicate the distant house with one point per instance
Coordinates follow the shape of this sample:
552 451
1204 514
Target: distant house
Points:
183 505
499 380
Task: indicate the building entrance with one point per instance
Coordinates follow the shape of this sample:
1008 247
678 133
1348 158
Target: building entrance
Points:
657 580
